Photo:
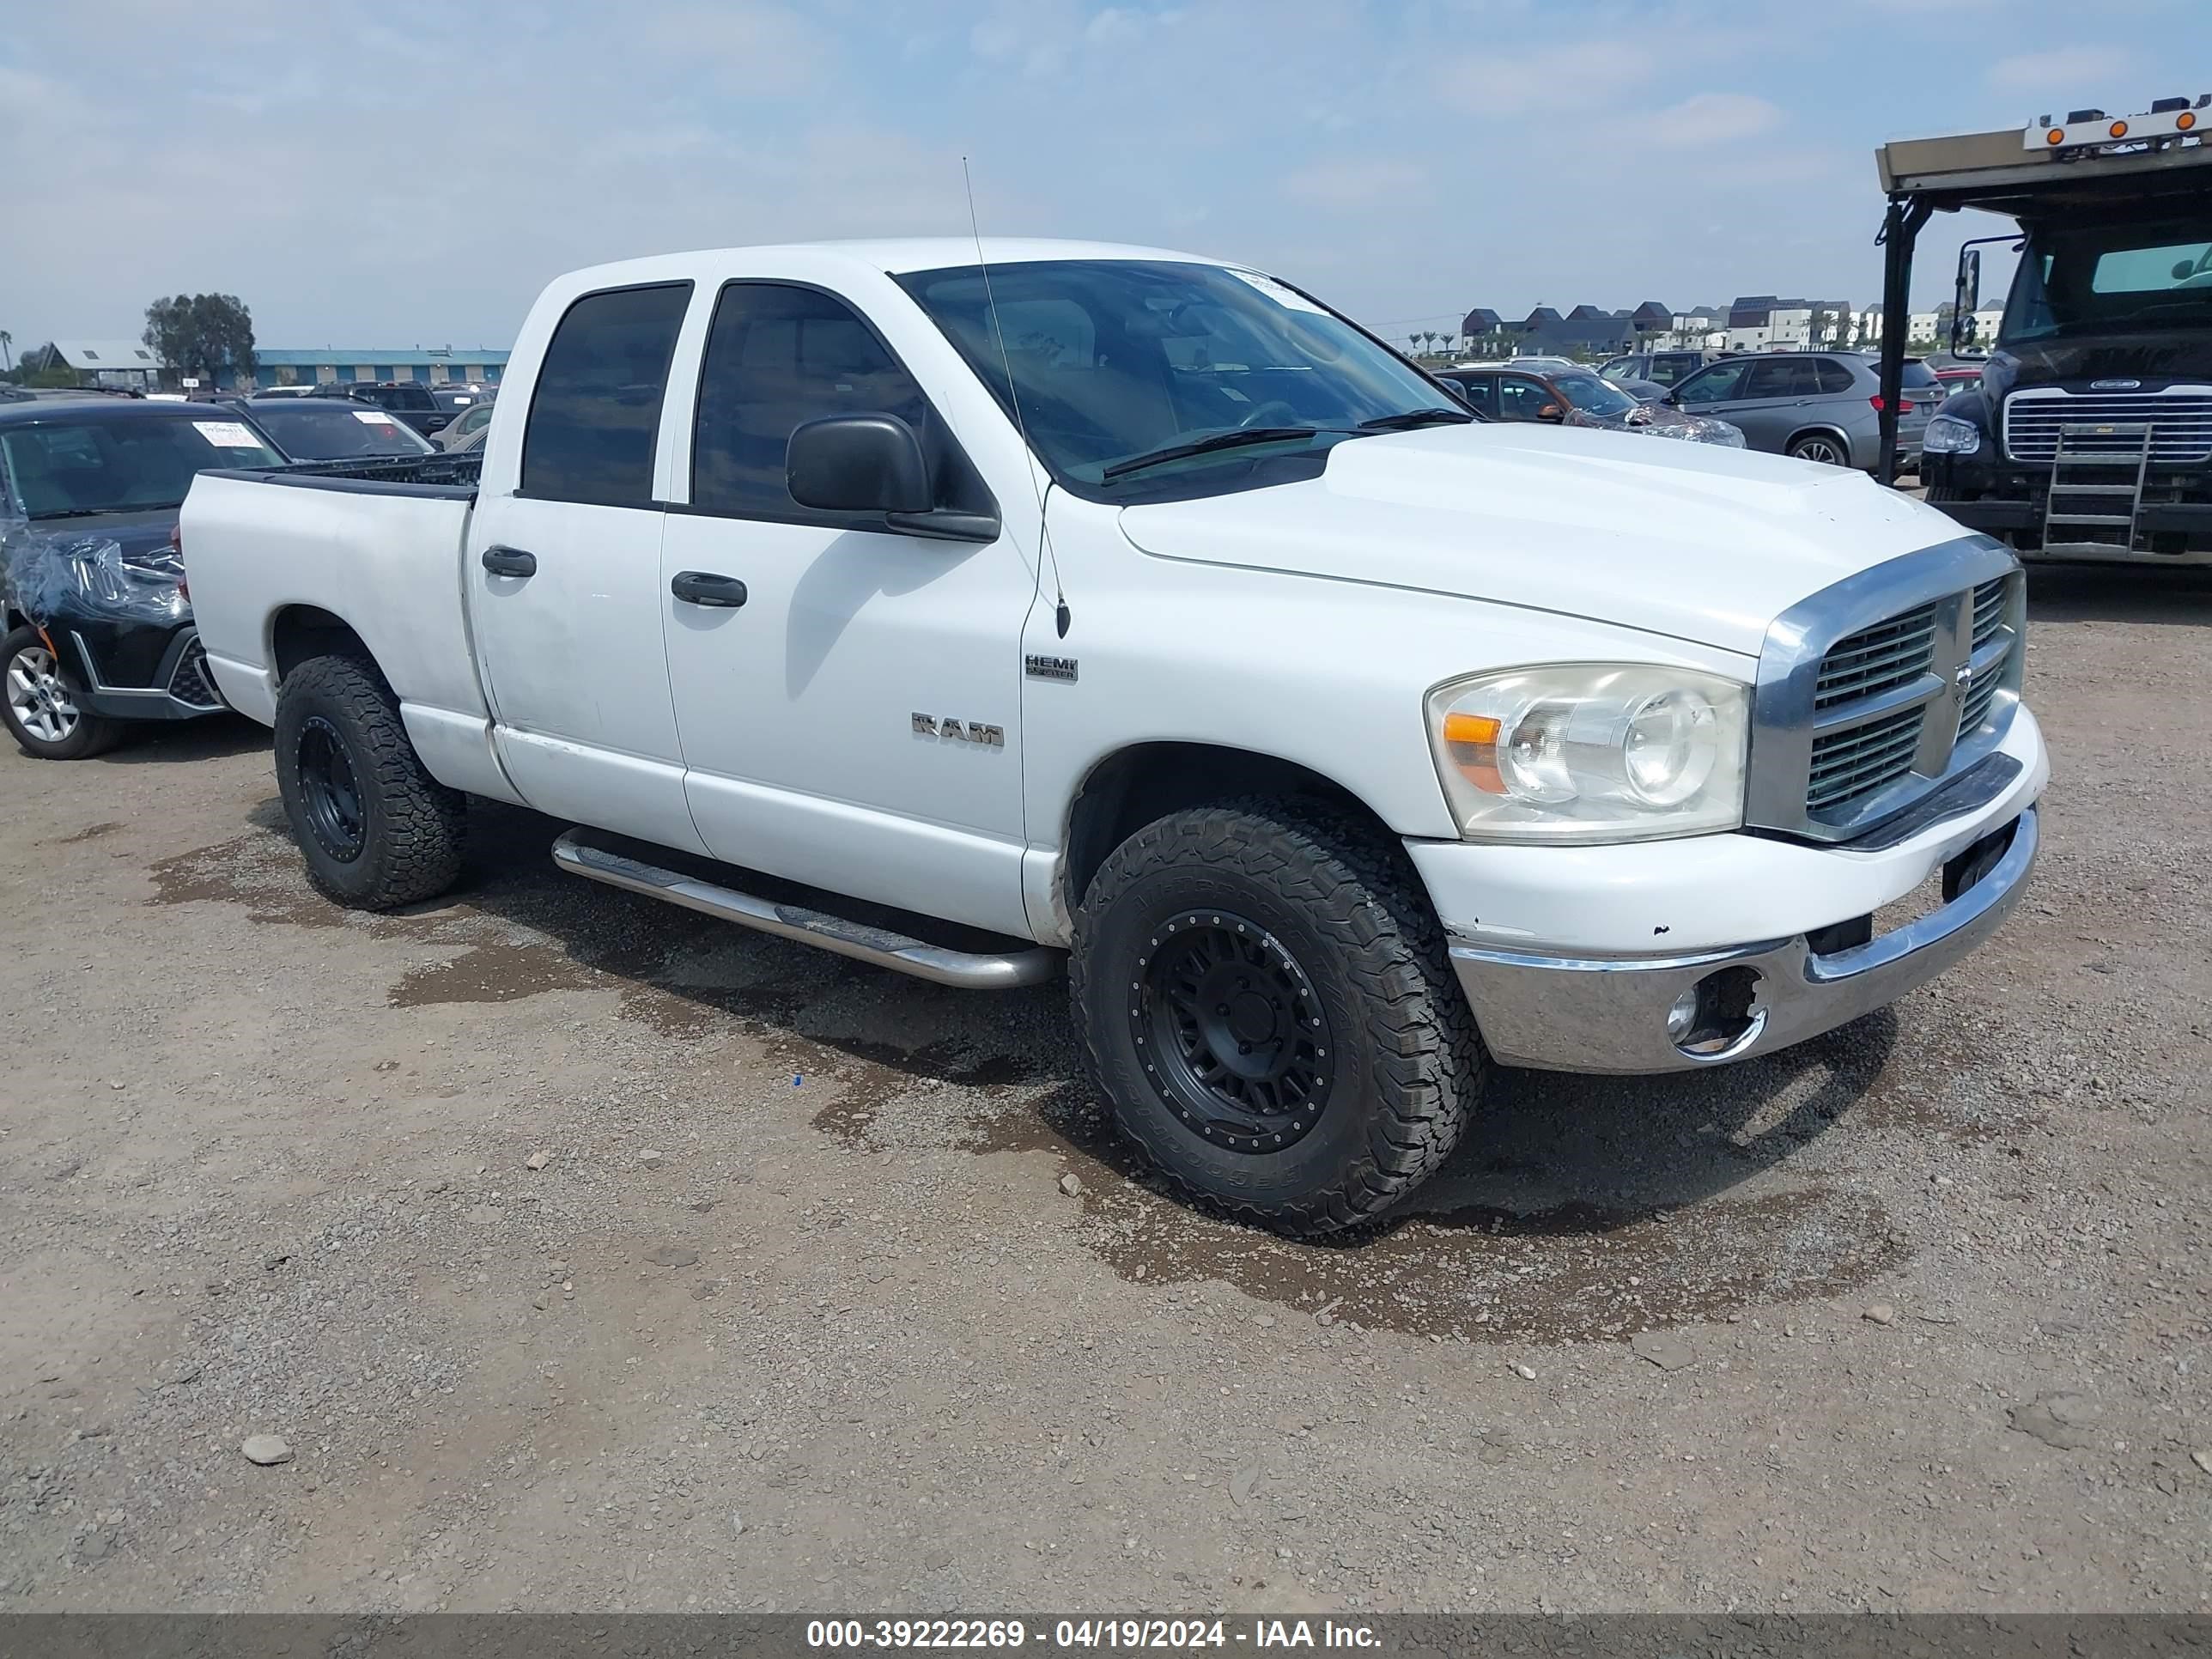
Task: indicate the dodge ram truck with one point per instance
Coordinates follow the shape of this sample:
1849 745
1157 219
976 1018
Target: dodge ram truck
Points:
974 609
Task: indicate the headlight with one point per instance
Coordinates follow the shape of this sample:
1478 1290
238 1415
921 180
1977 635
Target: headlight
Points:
1947 435
1590 752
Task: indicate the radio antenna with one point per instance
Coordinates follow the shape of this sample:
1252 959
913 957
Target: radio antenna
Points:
1061 615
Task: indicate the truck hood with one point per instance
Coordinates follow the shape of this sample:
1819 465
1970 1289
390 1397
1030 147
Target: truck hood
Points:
1701 543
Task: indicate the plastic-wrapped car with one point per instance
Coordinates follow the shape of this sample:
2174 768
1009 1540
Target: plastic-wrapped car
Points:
1575 397
98 622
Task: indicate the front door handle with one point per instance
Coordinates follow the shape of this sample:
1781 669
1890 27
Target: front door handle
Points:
705 588
509 561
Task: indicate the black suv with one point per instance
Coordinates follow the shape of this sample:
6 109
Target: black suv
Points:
410 400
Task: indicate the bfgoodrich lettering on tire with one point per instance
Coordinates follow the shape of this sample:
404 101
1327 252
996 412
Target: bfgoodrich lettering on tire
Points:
375 829
1263 998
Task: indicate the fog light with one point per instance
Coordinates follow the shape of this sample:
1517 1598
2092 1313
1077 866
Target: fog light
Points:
1683 1016
1719 1016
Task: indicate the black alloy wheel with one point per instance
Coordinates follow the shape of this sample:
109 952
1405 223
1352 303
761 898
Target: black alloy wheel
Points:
1233 1035
329 791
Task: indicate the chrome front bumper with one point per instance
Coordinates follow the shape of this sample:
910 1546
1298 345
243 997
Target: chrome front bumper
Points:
1609 1014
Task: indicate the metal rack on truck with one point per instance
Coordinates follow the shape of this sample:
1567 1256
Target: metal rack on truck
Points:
2090 436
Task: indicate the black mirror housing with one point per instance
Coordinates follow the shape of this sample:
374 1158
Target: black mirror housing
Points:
858 463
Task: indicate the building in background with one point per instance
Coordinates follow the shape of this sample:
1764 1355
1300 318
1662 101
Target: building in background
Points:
127 364
440 365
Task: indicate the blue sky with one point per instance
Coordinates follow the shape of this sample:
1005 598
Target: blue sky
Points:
400 172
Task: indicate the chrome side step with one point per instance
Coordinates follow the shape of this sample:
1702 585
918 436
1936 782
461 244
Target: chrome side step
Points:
1001 972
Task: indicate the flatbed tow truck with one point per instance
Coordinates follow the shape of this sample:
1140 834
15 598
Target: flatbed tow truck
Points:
2090 436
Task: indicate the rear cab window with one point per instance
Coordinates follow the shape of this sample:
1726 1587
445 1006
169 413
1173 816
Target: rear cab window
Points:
595 412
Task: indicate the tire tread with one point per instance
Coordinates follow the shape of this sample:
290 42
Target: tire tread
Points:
1363 891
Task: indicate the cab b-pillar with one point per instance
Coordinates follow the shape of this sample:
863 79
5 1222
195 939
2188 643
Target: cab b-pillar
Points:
1900 229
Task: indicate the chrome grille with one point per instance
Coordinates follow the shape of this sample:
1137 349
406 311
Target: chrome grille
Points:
1849 764
191 683
2180 422
1974 709
1989 610
1877 659
1881 688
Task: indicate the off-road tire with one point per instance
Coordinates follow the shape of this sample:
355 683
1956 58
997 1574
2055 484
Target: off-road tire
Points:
1348 907
92 734
411 826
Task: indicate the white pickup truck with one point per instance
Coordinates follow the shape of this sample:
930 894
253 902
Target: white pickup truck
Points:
965 607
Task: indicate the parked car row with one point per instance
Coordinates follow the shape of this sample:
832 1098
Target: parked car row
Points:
93 606
97 622
1575 397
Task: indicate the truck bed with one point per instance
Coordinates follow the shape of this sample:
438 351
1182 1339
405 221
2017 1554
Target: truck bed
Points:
413 475
373 546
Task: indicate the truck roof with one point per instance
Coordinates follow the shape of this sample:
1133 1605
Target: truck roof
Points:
1996 172
897 255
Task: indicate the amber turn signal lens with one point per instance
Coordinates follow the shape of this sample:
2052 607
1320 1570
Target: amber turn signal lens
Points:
1474 740
2118 129
2056 136
2185 120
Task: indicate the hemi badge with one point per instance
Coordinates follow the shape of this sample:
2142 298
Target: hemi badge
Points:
1049 668
2115 385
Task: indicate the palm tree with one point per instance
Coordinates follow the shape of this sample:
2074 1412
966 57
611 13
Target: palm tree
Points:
7 349
1415 341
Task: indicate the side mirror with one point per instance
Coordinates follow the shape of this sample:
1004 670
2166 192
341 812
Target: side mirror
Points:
1965 298
2183 270
858 463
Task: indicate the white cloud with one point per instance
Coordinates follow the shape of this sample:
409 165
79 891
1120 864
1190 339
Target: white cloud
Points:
2077 72
1358 185
760 48
1501 80
1707 118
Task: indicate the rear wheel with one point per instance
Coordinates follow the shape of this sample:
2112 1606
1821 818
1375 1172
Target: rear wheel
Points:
1264 999
1822 447
375 829
40 707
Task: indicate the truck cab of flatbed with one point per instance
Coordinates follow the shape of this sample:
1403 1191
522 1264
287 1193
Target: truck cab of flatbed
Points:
2089 436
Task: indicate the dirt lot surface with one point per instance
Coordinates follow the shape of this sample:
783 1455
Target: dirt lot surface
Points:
586 1253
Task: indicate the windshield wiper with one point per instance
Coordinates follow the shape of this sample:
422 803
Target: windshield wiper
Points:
1406 421
102 512
1236 438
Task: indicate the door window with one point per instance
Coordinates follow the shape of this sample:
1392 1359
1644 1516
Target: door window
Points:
1834 377
1783 377
1519 399
595 414
1716 385
1480 390
777 358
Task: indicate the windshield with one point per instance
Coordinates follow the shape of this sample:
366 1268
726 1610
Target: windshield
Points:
329 432
73 468
1118 359
2112 277
1593 395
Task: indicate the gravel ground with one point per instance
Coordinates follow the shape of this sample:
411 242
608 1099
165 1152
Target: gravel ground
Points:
583 1253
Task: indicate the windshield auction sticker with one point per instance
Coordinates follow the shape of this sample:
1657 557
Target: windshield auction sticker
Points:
1289 298
228 435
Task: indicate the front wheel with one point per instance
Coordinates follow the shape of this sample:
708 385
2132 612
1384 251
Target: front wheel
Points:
40 707
1824 447
1264 999
375 829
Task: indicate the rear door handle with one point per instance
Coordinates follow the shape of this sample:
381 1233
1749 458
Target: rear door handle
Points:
509 561
705 588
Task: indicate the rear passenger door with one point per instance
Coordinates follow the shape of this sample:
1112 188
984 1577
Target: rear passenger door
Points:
849 696
563 578
1774 405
